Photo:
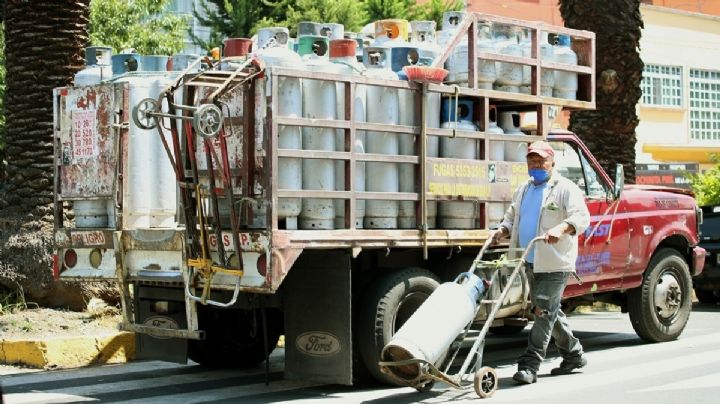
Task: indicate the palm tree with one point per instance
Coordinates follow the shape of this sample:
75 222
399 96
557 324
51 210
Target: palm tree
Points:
44 43
609 131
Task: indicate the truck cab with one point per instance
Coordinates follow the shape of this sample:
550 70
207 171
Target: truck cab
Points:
640 249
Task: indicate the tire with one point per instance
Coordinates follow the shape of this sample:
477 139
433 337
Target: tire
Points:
390 302
705 296
234 338
659 309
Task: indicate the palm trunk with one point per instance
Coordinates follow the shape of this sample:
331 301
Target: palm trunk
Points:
609 131
44 43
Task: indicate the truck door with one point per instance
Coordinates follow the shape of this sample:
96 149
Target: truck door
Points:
605 244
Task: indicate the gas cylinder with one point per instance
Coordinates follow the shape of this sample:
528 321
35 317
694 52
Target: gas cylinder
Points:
405 55
150 197
328 30
547 76
94 213
289 105
358 38
497 147
390 30
422 36
428 333
125 63
457 215
382 107
457 62
279 36
510 123
546 53
342 53
432 147
486 70
495 210
97 66
319 102
181 62
566 83
509 75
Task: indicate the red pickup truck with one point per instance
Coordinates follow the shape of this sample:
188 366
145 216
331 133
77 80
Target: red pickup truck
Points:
640 249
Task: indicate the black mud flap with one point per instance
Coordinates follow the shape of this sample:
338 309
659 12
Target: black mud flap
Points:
162 307
316 300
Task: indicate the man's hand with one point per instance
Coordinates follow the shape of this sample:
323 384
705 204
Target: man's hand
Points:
498 235
553 235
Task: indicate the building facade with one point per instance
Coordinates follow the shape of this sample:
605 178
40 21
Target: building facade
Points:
185 8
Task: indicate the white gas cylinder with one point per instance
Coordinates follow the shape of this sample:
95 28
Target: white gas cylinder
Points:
497 147
457 215
457 62
510 123
382 107
319 102
509 75
566 83
342 53
289 105
486 69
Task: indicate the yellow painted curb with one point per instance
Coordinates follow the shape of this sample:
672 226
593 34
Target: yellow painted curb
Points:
69 352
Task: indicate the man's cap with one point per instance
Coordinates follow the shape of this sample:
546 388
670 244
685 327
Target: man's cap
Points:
541 148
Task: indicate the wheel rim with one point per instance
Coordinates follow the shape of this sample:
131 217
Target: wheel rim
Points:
667 296
143 117
208 120
407 307
488 382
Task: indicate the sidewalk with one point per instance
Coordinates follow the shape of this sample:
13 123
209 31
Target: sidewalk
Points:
68 352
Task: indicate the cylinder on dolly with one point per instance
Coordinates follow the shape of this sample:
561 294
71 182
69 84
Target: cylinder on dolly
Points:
429 332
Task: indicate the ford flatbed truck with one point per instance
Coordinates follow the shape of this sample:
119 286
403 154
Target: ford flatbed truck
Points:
227 277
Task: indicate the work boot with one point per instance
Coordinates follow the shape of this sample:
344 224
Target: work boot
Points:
566 367
525 376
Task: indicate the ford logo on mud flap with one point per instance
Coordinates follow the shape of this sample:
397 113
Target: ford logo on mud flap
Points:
160 322
318 343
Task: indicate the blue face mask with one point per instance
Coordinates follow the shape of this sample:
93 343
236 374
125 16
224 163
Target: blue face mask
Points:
539 175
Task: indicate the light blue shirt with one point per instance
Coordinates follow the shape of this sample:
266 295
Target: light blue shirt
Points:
529 216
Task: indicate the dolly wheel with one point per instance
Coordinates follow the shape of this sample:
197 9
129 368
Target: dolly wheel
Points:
425 387
486 382
207 120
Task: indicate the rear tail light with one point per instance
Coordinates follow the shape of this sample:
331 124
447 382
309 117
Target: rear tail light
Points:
70 258
95 258
262 264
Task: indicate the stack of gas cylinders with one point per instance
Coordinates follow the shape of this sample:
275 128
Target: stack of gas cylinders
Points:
383 52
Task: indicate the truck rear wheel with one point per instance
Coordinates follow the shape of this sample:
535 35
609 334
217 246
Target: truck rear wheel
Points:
392 299
234 338
659 309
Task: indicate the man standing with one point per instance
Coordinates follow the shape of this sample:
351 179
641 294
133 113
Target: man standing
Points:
553 207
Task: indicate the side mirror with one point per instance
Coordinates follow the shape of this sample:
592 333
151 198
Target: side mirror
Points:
619 181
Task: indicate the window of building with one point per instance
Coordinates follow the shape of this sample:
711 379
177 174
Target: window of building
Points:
704 104
662 85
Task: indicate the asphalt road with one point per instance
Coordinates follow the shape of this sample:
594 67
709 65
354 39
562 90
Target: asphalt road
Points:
621 369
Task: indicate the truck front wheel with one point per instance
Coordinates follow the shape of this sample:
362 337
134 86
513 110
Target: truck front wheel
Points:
659 309
393 298
234 338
